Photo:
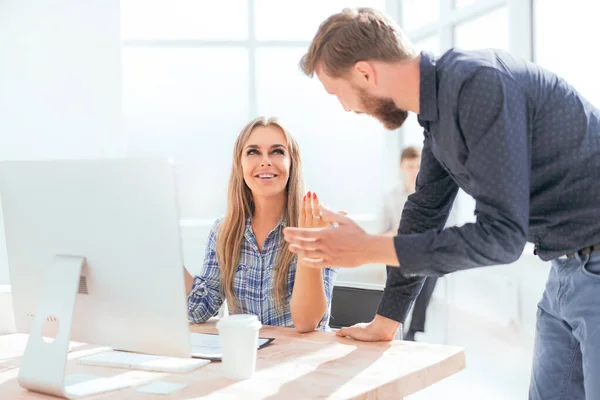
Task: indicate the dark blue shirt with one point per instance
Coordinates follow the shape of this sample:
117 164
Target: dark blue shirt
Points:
523 143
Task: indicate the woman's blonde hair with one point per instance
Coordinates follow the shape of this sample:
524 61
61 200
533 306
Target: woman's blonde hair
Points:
240 207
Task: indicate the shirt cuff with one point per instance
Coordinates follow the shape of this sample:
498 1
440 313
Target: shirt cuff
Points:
394 305
198 289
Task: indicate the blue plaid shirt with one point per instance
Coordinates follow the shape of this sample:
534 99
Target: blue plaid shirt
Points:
253 283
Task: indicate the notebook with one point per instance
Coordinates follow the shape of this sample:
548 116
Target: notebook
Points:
207 345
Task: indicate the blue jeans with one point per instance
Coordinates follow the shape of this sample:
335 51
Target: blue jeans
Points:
566 355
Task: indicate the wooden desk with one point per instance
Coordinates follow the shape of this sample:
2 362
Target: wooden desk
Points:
314 365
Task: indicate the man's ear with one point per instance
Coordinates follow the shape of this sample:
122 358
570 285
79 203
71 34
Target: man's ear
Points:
365 72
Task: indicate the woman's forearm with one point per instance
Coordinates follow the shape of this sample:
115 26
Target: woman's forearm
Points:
308 303
189 281
204 306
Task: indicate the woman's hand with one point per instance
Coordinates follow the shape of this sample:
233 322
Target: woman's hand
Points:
309 302
310 212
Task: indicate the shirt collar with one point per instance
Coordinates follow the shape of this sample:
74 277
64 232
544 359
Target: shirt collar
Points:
280 225
428 107
251 238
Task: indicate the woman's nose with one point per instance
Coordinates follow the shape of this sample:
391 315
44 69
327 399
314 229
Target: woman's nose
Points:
265 161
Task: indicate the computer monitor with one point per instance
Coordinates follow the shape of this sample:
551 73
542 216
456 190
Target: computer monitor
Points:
121 215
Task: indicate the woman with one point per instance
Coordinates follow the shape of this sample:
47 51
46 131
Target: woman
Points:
247 261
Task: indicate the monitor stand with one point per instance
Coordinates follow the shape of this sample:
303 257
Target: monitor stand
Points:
44 361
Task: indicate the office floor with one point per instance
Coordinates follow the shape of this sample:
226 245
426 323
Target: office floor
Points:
498 360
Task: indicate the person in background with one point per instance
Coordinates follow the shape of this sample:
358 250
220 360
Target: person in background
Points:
394 200
247 262
393 204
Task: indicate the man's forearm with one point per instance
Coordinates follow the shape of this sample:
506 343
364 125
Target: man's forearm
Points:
380 249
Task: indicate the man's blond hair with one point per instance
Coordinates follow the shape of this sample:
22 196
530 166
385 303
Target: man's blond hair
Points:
355 34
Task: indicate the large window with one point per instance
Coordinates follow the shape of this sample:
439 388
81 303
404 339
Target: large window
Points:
184 20
196 72
419 13
473 34
565 38
187 104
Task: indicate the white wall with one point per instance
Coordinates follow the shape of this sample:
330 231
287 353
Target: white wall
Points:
60 81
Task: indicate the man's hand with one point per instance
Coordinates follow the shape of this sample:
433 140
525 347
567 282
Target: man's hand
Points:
378 330
343 244
340 245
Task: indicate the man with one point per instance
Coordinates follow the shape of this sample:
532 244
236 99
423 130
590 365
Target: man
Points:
517 138
393 203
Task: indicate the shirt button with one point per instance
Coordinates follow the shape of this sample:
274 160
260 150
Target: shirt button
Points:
537 244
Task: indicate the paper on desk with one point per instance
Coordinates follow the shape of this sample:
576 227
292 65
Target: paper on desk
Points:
74 379
161 387
206 345
83 385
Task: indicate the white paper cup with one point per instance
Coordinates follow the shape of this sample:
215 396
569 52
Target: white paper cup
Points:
238 335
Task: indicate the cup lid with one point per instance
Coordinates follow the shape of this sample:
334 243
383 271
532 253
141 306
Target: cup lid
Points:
239 321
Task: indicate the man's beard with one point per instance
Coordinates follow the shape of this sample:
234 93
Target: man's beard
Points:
384 109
